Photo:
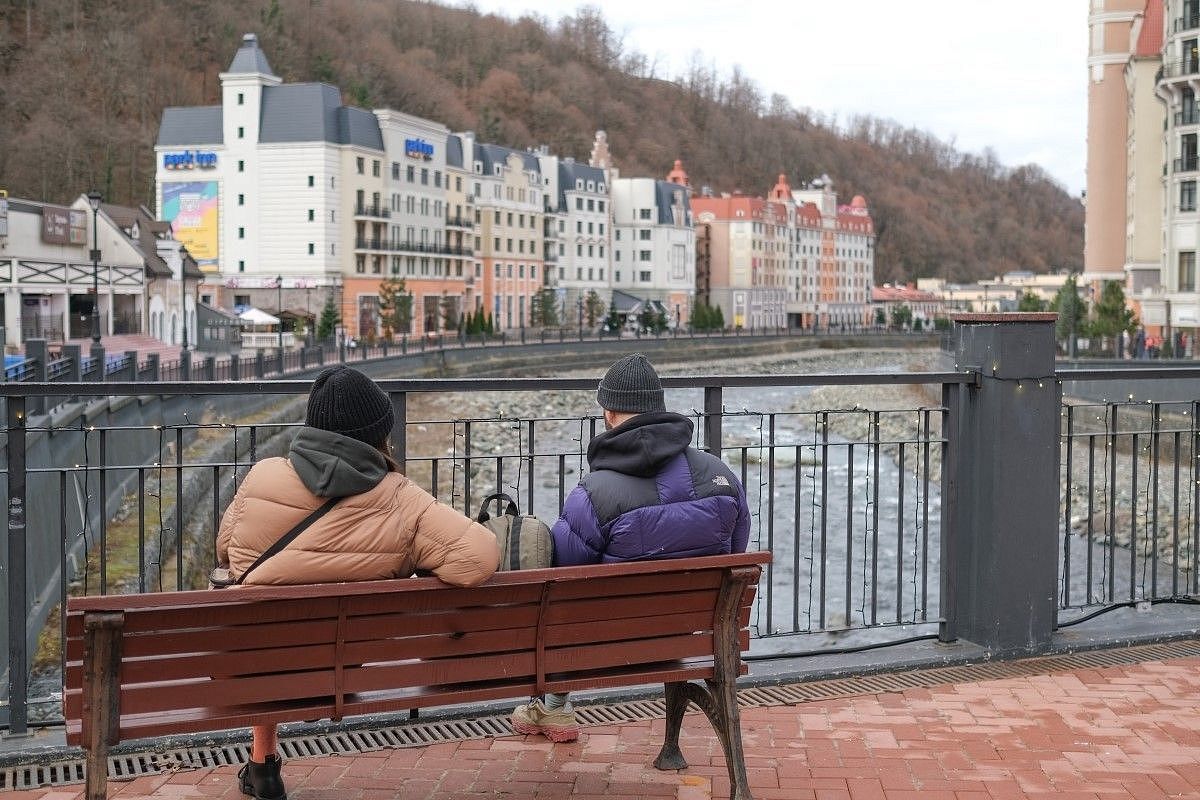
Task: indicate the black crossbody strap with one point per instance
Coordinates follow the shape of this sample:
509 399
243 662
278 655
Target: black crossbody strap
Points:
291 535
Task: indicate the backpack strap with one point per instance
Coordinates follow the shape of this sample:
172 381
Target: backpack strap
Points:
290 536
511 510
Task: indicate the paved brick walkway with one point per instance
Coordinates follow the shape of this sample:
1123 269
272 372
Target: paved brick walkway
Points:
1120 732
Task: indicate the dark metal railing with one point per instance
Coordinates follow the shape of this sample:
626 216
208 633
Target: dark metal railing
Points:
375 210
1177 69
849 501
1186 22
1187 163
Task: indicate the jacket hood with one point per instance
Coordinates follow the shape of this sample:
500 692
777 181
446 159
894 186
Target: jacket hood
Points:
332 465
642 445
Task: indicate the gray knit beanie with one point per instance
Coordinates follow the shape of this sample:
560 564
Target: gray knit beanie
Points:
631 385
345 401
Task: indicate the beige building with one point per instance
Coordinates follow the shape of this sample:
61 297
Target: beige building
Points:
1109 23
1144 152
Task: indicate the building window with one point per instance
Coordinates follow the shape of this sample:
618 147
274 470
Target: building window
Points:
312 181
644 276
241 99
241 299
617 234
395 171
591 204
600 206
410 174
1187 196
241 233
312 214
312 249
360 164
644 235
242 268
1187 271
617 276
241 199
616 255
331 215
643 213
241 166
360 263
424 177
644 255
437 178
375 168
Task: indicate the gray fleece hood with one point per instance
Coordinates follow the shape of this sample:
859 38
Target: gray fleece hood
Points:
332 465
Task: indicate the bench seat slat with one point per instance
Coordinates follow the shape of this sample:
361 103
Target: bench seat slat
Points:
474 620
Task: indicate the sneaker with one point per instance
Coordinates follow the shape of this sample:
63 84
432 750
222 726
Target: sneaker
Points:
557 726
262 781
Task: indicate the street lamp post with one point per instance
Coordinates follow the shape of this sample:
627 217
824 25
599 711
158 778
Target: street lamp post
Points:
279 306
94 197
580 314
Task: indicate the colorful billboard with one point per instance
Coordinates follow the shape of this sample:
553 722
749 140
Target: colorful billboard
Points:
193 212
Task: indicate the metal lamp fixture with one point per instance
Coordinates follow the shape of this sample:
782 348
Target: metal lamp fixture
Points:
94 198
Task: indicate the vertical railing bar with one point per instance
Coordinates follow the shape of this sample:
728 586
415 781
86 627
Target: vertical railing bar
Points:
1066 535
179 508
467 468
253 443
216 510
142 529
900 534
562 480
923 493
1175 516
770 514
17 553
824 512
796 540
63 578
500 473
1091 526
102 503
1133 526
875 519
1110 501
532 452
1195 477
849 526
434 466
1155 452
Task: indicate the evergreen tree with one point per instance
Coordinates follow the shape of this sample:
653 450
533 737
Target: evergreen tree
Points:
329 320
395 306
1113 317
718 319
901 316
1031 302
612 322
1071 310
593 307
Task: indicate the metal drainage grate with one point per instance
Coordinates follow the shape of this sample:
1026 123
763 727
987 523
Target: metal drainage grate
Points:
420 734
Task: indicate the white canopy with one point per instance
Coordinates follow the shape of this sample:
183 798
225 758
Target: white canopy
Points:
254 316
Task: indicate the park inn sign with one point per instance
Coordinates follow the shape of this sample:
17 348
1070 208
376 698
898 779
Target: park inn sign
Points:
190 159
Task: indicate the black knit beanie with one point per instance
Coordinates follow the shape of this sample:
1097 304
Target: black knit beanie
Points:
345 401
631 385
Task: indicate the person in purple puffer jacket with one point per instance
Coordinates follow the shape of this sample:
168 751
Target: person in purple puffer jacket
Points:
649 495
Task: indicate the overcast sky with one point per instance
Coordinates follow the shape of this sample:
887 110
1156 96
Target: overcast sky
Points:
1009 75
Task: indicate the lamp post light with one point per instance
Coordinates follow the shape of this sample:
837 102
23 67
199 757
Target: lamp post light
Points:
279 305
94 197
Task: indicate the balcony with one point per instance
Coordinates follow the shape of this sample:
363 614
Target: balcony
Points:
1187 164
460 222
1189 116
1188 22
397 246
1180 69
374 211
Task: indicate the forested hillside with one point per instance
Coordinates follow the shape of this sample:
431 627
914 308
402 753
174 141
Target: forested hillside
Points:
83 82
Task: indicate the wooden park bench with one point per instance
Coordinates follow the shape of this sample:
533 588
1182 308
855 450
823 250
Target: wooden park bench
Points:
145 665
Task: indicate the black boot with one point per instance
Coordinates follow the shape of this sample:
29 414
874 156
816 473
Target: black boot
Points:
262 781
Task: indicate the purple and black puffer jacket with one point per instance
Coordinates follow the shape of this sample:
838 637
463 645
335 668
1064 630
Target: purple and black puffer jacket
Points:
650 495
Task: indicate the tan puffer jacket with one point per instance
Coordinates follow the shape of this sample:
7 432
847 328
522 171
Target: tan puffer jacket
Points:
389 530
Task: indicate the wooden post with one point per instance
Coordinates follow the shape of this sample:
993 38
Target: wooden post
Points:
101 719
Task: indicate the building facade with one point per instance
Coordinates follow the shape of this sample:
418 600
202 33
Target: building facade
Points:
654 241
578 236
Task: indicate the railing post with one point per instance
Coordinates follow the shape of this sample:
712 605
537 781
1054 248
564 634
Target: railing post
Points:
303 358
97 353
74 352
37 352
321 355
185 365
712 420
235 367
399 436
18 602
210 367
260 366
1000 532
132 357
155 368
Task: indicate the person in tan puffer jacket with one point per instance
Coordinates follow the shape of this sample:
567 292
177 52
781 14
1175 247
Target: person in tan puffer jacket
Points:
383 525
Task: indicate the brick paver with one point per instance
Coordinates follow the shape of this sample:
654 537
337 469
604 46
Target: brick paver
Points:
1095 734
